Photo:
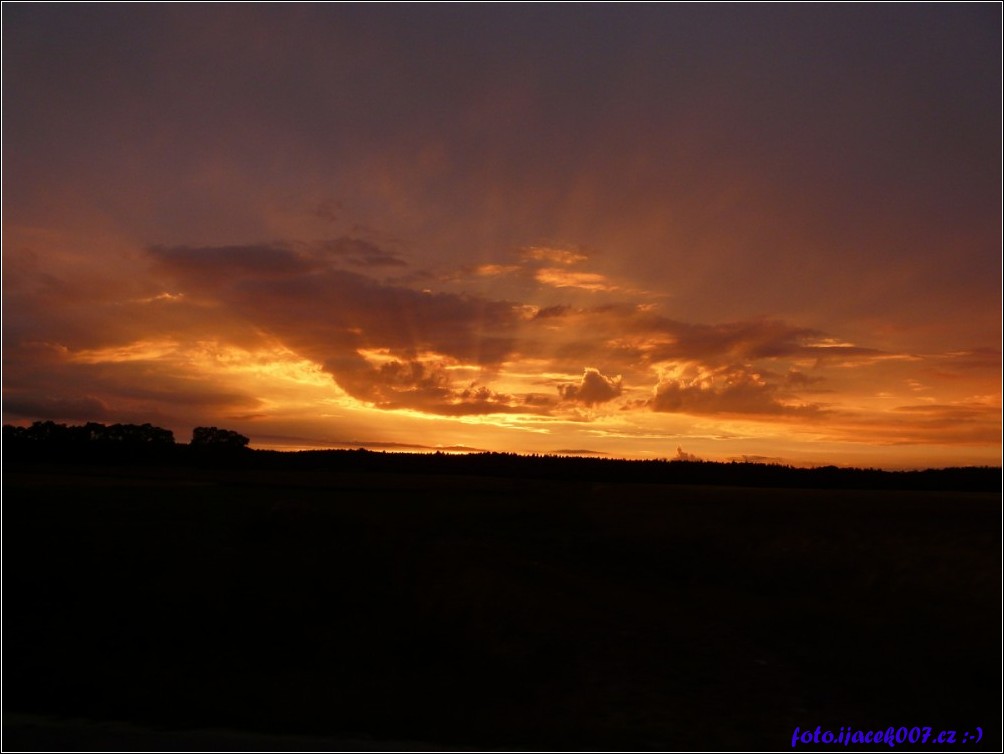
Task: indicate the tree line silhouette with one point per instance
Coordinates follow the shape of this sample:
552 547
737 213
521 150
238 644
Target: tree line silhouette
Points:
94 442
47 441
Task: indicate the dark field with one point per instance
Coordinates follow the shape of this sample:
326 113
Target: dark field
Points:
479 612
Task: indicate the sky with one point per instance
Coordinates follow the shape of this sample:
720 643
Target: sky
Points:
706 231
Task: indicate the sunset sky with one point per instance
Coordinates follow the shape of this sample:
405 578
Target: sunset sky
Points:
651 231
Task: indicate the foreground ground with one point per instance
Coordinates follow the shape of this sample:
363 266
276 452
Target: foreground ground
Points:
479 612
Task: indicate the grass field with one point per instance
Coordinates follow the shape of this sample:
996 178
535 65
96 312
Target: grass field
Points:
485 612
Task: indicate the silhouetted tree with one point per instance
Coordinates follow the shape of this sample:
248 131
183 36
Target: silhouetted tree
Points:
91 442
48 432
215 438
12 433
131 434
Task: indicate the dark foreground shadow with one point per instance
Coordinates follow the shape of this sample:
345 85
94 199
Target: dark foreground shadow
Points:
486 612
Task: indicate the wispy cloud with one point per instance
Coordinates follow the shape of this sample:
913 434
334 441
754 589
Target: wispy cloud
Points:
587 281
553 255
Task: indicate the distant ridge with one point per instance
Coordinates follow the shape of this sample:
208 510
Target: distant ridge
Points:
571 468
148 445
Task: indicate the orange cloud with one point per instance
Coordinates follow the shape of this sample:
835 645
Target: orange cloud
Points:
733 390
494 270
294 335
592 389
587 281
553 255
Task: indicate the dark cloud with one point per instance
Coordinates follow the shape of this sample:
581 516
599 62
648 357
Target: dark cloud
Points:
214 263
964 423
423 387
732 390
340 318
183 395
797 379
314 306
645 338
57 408
749 340
973 419
394 384
963 364
592 389
20 406
551 312
553 255
335 317
361 253
393 346
538 400
328 210
743 340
